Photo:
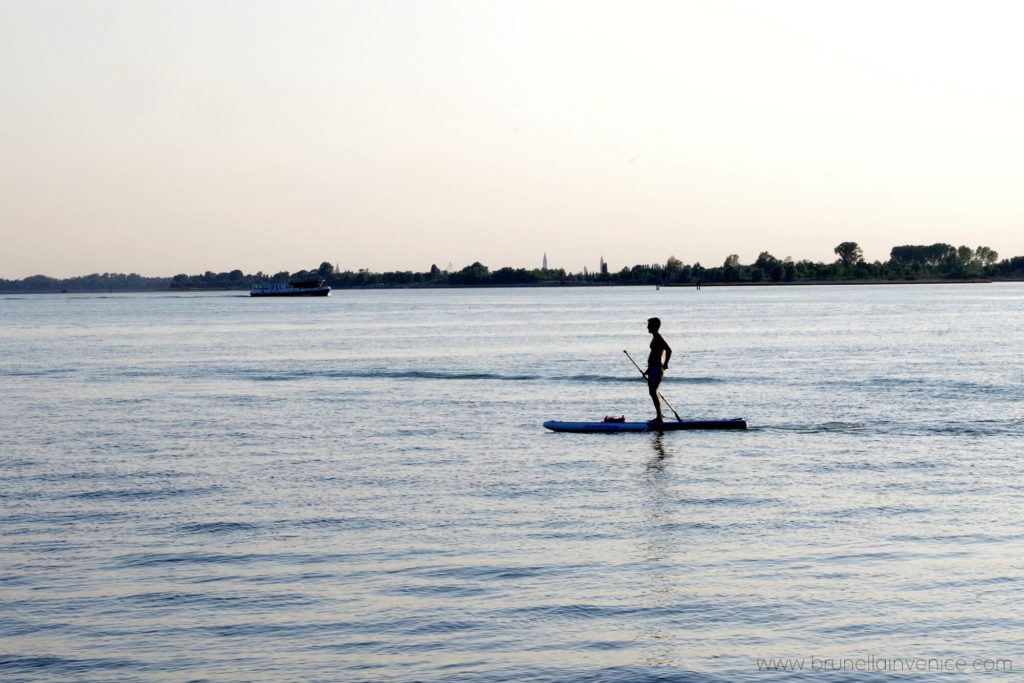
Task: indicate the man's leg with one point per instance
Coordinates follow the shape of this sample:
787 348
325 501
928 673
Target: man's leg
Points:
657 402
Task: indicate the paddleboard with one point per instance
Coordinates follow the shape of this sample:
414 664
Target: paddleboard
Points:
593 427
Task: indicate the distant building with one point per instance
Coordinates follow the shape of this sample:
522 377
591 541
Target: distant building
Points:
545 266
604 267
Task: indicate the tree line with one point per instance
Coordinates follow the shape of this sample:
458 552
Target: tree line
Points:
937 261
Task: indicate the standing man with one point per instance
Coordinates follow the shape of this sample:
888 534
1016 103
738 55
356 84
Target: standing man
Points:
655 366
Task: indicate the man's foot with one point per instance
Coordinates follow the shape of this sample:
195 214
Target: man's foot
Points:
656 421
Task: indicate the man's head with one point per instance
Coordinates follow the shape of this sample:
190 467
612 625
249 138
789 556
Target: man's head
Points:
653 324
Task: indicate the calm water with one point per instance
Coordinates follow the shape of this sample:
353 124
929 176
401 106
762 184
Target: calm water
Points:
213 487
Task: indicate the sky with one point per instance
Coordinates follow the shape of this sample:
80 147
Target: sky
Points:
180 136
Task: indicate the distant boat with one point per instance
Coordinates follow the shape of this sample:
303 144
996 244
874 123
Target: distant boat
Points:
311 287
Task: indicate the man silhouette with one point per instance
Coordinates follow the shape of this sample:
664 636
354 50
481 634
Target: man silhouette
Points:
655 366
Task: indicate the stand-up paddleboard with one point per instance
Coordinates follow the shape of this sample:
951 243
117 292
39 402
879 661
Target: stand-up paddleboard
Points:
592 427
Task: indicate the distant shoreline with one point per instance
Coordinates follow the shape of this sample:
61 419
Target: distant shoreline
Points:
555 285
685 285
800 283
938 263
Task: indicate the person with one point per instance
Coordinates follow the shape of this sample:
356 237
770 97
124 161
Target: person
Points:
656 367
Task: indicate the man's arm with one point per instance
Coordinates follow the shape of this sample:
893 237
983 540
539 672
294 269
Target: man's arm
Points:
668 352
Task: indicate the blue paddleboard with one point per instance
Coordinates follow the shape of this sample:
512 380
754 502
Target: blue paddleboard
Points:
594 427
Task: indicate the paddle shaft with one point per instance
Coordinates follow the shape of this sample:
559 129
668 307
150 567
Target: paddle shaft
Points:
678 419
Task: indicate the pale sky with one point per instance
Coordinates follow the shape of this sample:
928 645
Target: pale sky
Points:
185 136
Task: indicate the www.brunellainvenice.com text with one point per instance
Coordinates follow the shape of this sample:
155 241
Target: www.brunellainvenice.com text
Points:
886 664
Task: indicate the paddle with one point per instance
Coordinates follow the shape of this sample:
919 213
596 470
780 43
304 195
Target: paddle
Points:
678 419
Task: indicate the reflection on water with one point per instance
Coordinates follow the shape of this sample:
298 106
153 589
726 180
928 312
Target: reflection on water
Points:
660 454
658 548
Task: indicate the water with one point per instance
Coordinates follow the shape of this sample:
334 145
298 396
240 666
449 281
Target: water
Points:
219 488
